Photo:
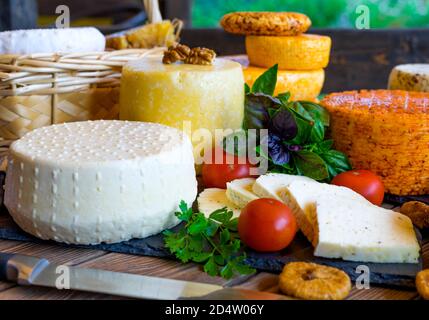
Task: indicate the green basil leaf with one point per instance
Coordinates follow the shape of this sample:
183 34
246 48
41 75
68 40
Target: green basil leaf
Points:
246 88
311 165
325 146
266 83
284 98
317 112
300 110
336 161
317 132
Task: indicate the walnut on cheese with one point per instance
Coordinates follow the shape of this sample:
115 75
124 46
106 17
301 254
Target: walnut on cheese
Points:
101 181
180 52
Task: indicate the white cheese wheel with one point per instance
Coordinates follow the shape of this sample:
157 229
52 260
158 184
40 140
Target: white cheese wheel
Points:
410 77
71 40
101 181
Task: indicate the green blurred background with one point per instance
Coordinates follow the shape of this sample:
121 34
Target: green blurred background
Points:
324 13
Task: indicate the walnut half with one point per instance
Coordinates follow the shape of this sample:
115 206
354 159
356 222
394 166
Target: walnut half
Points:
180 52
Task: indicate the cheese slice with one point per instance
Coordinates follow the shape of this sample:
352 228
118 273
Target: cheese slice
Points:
214 199
101 181
240 193
68 40
410 77
347 226
302 85
275 186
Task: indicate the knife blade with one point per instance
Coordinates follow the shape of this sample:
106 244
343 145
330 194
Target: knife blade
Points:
32 271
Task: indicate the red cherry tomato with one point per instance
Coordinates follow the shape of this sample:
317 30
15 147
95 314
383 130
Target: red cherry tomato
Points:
364 182
217 172
267 225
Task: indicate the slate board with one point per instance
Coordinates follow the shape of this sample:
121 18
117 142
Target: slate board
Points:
397 275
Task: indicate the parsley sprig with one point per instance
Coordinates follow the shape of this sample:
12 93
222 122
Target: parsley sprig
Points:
212 241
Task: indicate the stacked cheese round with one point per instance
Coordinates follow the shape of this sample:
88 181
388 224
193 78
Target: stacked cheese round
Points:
301 60
386 132
195 98
101 181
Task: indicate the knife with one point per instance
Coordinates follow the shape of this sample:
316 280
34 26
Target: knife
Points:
32 271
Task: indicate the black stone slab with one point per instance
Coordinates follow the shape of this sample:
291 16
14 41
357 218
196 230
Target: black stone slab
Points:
398 275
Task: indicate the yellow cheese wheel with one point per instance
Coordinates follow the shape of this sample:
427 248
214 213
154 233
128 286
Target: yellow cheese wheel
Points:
302 85
183 95
303 52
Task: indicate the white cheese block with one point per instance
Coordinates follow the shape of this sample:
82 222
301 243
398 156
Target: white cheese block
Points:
240 193
69 40
347 226
214 199
101 181
410 77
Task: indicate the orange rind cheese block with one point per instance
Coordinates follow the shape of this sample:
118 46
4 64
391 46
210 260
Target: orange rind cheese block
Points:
303 52
386 132
302 85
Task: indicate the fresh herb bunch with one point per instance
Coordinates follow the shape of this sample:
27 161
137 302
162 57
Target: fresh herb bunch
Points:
296 140
213 241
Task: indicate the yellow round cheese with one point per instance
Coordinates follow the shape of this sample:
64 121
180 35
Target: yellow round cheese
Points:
187 97
302 85
303 52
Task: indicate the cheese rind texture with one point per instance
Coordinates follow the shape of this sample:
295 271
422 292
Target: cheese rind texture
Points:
303 52
302 85
101 181
69 40
410 77
179 95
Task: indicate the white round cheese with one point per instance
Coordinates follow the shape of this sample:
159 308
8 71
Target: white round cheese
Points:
70 40
100 181
410 77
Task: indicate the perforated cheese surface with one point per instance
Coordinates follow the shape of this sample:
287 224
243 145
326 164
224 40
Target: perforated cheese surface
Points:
102 181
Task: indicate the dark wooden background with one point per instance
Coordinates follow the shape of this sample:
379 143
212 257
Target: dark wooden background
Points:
360 59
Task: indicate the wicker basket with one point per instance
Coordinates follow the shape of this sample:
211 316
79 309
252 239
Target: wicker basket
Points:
44 89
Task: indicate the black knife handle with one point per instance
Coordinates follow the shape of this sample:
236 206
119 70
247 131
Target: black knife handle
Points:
4 259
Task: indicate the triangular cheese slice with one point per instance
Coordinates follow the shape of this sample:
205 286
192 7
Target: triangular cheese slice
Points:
239 192
347 226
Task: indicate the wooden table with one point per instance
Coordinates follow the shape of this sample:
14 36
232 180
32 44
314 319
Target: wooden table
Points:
86 258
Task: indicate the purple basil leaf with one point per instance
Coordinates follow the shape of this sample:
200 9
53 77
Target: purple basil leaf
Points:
283 124
256 114
278 152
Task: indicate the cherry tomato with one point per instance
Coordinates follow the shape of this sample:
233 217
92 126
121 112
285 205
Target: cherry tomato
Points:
217 172
364 182
267 225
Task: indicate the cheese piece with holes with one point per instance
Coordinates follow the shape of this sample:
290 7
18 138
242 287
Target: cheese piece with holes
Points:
69 40
302 85
101 181
184 96
240 193
410 77
213 199
303 52
274 185
349 227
